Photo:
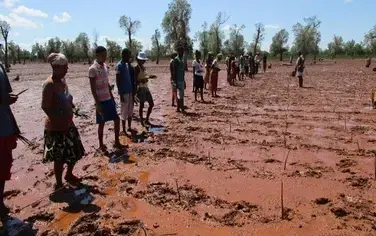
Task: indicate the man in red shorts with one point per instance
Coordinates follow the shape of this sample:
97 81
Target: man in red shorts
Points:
8 136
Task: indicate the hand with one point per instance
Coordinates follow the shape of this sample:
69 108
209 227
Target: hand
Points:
12 99
99 109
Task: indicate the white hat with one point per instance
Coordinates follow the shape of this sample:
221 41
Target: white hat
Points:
142 56
57 59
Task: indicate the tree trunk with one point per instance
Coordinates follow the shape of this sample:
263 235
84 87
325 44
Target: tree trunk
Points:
130 41
6 53
280 56
256 41
218 46
24 58
186 60
158 49
18 55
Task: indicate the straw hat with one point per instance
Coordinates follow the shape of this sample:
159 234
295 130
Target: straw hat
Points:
142 56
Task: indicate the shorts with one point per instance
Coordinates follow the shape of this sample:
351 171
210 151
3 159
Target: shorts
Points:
109 112
65 147
198 81
180 94
126 109
144 95
7 144
242 69
299 73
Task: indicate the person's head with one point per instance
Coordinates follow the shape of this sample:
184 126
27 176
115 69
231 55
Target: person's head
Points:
210 56
219 56
299 53
101 54
141 58
198 55
59 64
173 55
126 55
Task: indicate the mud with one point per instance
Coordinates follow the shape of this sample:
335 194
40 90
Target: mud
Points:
218 169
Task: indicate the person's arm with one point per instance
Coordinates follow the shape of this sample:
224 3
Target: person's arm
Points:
194 67
6 99
118 79
92 77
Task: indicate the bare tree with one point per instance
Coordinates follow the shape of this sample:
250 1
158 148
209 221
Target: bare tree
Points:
19 54
216 30
203 38
5 28
279 41
258 36
156 42
95 39
130 27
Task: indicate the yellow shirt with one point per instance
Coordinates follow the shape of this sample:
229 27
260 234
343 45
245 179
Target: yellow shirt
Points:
141 76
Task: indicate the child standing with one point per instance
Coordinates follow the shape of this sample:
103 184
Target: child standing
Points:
198 74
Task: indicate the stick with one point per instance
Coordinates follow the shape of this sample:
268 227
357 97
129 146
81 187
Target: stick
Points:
238 120
18 94
230 126
282 207
209 156
287 156
375 165
357 142
177 187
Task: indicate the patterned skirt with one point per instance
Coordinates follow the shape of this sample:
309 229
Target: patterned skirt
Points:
65 147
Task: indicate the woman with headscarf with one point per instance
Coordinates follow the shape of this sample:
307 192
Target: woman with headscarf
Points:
208 65
62 143
214 75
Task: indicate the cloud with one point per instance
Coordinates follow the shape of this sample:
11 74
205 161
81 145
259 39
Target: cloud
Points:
10 3
14 34
17 21
65 17
272 26
22 10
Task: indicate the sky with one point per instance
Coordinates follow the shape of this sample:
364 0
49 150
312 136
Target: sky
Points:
38 20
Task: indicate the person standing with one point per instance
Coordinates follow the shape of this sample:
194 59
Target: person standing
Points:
251 66
8 136
174 95
62 142
264 61
242 66
198 74
214 75
104 100
257 63
143 92
246 65
178 75
209 62
125 81
299 68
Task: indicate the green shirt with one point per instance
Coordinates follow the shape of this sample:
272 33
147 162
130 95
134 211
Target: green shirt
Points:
179 72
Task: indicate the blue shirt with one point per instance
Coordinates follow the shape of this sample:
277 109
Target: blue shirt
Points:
125 85
6 117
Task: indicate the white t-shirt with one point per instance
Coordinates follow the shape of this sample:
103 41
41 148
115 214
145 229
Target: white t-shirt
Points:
199 68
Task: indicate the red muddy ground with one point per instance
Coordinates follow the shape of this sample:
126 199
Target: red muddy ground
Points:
218 170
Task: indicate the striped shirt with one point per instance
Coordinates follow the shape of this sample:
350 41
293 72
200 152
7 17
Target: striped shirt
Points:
100 73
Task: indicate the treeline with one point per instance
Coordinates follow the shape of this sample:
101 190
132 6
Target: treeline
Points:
210 38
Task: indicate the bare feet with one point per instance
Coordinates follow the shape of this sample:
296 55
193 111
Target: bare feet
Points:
72 179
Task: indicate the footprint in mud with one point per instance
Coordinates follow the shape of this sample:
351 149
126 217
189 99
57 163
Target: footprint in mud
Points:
11 193
127 184
129 227
42 216
162 194
358 182
346 163
322 201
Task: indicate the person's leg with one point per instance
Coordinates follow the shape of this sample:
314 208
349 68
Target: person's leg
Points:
300 81
58 169
173 96
150 108
202 94
69 176
100 136
196 90
123 125
117 131
141 111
